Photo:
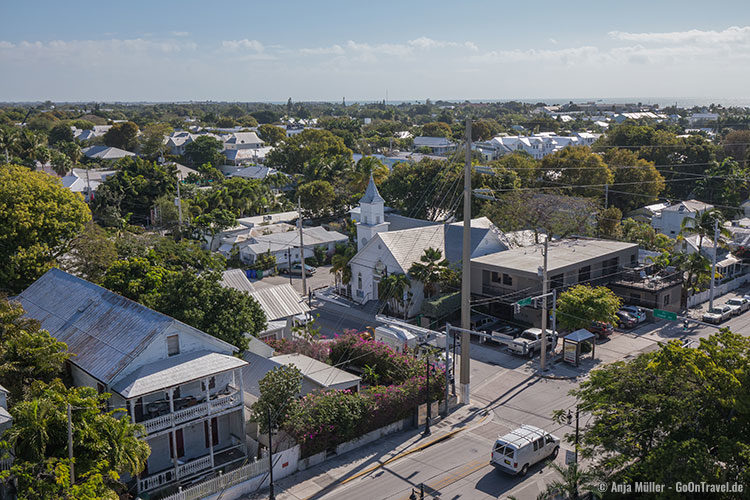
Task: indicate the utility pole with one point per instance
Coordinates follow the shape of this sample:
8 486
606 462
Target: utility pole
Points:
447 366
289 263
713 266
577 411
427 431
466 274
271 495
543 357
70 444
301 247
179 199
606 196
88 186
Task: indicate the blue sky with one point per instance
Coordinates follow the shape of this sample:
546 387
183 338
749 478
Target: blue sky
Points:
324 50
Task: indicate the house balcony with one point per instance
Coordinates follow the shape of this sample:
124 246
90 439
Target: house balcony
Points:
195 469
158 416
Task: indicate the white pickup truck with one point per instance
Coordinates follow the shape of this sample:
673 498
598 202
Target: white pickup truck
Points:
530 342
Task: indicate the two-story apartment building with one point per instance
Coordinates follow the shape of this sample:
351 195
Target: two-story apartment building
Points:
516 274
670 219
183 385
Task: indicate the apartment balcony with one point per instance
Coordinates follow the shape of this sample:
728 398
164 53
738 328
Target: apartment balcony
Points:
158 417
195 468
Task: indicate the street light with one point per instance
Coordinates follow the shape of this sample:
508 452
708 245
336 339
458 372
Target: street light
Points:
429 410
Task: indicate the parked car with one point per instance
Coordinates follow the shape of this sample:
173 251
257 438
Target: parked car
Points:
718 314
516 451
296 270
626 320
500 328
530 342
638 313
601 329
739 305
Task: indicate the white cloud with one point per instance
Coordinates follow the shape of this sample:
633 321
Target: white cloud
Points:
369 52
6 45
733 34
428 43
179 33
244 44
333 49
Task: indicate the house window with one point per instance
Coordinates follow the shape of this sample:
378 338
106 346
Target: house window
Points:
176 394
377 219
486 277
632 258
584 274
214 432
180 442
211 384
557 280
359 281
173 345
666 300
495 277
507 280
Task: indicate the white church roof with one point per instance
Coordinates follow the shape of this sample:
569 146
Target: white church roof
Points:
371 194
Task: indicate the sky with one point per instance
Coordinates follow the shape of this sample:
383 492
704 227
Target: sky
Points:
163 50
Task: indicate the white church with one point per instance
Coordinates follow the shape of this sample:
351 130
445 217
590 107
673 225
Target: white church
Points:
389 244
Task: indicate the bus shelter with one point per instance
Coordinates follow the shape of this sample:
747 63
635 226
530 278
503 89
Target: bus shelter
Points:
572 343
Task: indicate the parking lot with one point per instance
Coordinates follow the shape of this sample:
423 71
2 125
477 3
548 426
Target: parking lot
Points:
322 278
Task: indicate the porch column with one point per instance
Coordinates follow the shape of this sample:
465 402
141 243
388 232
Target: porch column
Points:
171 400
131 406
239 376
208 394
211 440
174 454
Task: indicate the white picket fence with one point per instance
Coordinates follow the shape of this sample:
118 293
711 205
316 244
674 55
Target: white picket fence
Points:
221 482
719 290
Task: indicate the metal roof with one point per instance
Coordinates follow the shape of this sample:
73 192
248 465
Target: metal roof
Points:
522 436
103 330
371 193
237 279
174 371
580 335
280 301
317 371
254 371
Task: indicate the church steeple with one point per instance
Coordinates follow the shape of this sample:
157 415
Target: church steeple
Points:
371 215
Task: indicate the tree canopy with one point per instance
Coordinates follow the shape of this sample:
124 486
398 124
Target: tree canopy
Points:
581 305
674 415
122 135
204 149
294 152
38 220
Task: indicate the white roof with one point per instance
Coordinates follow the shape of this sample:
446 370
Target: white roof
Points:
175 371
78 181
313 236
522 436
317 371
237 279
432 142
280 301
244 138
106 153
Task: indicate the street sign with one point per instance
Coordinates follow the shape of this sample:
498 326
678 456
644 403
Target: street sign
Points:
661 313
525 302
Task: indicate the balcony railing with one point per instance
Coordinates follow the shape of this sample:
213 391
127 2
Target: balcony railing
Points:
217 404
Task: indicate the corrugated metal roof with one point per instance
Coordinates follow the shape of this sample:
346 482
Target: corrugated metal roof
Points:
175 371
104 331
280 301
237 279
317 371
255 370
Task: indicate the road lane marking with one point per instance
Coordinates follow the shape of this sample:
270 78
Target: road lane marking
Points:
453 477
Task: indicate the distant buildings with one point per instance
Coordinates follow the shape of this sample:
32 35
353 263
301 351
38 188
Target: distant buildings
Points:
436 145
105 153
669 220
536 145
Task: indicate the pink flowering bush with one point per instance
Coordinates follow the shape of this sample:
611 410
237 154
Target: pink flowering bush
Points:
382 364
316 350
326 419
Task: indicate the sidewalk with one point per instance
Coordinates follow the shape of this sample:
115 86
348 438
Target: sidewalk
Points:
320 479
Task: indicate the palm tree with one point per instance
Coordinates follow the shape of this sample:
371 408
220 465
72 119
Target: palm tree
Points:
366 167
73 151
392 289
125 450
696 270
29 436
9 141
572 483
340 264
430 270
703 225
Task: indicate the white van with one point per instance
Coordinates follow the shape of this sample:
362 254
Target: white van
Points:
518 450
396 337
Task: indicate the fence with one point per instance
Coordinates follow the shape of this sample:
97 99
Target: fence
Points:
221 482
719 290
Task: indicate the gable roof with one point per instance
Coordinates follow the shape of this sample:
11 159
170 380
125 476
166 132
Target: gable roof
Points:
408 245
106 153
244 138
371 193
237 279
174 371
280 301
104 330
321 373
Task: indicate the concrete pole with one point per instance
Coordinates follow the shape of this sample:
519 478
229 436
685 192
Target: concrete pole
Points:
543 354
447 366
70 445
179 199
301 247
713 266
466 275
